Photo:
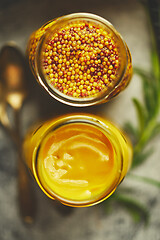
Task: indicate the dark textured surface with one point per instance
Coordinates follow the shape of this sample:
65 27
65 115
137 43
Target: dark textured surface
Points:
18 19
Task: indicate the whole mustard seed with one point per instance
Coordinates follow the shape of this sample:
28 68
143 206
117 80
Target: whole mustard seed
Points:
81 60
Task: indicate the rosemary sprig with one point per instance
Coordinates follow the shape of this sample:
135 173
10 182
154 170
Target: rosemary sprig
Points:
148 120
148 111
148 126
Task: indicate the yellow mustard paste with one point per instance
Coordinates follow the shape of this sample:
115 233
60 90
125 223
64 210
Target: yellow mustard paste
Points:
77 162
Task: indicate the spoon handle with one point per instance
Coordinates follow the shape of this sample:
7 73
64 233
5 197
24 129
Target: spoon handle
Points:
25 191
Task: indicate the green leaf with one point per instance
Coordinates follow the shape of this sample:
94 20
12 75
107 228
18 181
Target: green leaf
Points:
135 214
145 179
146 135
141 114
150 97
108 205
150 90
137 209
132 131
155 64
142 73
155 131
140 157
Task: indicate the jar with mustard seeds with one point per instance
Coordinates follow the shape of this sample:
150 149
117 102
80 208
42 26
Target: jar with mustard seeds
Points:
80 59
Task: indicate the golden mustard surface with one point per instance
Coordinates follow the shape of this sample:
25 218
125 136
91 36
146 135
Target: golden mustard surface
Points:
77 162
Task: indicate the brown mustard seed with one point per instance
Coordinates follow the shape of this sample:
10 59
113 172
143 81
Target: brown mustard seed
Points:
81 60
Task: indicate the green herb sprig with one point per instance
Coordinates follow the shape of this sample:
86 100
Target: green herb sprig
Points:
147 127
148 112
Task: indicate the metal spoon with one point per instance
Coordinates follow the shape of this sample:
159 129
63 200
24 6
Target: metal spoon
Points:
26 197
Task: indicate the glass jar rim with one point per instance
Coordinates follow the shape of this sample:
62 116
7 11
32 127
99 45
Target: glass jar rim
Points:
84 101
69 119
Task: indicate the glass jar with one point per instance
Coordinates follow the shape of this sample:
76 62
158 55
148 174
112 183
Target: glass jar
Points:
99 79
78 159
